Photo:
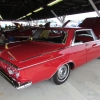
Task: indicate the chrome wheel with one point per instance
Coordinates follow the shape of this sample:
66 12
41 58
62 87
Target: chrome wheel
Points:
62 74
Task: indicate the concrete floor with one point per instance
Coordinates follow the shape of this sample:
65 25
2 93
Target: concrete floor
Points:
83 84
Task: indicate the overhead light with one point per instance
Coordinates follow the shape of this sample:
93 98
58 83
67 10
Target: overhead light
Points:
19 18
1 17
54 2
29 14
23 16
37 10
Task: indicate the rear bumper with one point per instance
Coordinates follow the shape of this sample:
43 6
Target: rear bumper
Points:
13 82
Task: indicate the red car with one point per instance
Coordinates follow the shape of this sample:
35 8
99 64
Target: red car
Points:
20 35
43 57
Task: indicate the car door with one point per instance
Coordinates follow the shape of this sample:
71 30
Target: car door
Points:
77 54
77 51
92 45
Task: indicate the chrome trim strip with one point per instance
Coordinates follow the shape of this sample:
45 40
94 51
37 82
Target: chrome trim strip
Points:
40 55
39 63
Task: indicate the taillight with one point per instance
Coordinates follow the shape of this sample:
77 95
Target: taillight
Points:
13 71
10 71
10 68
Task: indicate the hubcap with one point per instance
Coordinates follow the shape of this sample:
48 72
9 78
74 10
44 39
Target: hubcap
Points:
62 73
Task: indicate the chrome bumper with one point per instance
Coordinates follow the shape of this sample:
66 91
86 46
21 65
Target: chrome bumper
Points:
13 82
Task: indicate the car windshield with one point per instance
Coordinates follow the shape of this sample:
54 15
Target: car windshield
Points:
54 36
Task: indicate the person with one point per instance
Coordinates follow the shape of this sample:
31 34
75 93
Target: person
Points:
2 38
21 28
1 29
10 38
45 33
40 25
47 25
6 27
9 26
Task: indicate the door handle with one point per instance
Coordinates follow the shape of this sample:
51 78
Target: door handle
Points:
94 45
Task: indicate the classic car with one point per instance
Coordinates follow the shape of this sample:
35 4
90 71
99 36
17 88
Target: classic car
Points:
43 57
20 35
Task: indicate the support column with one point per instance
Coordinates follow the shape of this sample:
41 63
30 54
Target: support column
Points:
95 8
31 19
62 18
57 16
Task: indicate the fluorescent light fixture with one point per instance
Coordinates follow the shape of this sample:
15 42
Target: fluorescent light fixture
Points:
37 10
29 14
23 16
19 18
54 2
1 17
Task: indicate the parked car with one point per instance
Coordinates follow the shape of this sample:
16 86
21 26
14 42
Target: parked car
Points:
43 57
20 35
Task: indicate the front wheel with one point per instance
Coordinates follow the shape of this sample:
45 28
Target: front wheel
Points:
61 75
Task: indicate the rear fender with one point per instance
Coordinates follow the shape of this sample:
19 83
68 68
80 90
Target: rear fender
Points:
64 63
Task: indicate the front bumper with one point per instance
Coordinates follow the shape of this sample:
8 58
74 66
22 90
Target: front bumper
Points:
13 82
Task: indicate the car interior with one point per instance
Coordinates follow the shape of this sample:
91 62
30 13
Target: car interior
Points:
83 36
55 36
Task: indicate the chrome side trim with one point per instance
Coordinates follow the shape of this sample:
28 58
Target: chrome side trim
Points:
40 55
39 63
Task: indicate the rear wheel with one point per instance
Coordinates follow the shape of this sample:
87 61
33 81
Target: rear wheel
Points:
61 75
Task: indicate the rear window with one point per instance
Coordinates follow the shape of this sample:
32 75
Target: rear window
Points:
54 36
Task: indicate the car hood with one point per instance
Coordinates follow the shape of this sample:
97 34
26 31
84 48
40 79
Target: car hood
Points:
26 50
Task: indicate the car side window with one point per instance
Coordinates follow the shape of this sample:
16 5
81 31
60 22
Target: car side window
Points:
83 36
